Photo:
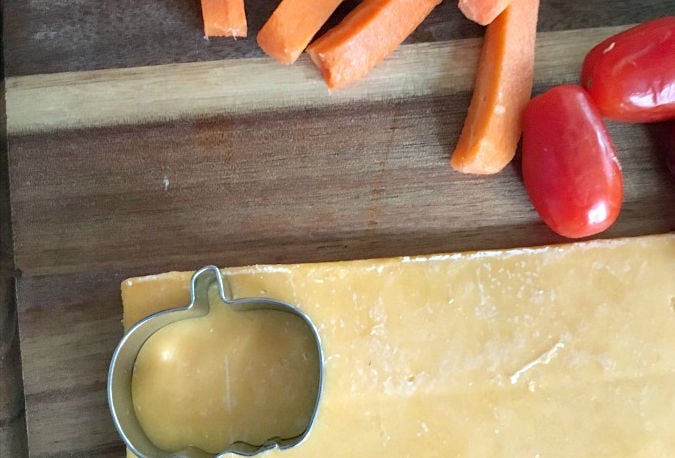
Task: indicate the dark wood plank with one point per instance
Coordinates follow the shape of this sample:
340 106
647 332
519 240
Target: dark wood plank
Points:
47 37
69 35
72 324
13 441
306 187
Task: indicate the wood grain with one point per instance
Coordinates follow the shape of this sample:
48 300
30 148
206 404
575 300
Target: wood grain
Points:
136 146
46 36
307 187
74 326
13 442
69 35
240 86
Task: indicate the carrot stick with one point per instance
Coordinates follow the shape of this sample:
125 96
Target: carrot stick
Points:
483 11
224 18
292 26
368 34
503 87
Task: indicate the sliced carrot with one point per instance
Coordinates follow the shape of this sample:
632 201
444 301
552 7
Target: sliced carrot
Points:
503 87
483 11
224 18
292 26
368 34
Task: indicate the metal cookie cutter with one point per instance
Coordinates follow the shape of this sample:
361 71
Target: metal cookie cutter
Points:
124 358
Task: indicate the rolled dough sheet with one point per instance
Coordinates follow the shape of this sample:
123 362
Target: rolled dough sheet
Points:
560 351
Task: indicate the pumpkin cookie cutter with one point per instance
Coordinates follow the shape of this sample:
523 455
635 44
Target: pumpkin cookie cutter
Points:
122 363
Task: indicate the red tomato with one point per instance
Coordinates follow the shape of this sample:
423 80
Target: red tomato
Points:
570 168
631 76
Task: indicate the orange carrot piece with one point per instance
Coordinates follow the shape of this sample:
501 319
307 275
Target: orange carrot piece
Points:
368 34
224 18
292 26
483 11
503 87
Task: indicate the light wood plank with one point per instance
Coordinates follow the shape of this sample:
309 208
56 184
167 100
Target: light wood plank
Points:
236 86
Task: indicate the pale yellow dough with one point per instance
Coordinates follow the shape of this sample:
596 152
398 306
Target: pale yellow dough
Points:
249 398
564 351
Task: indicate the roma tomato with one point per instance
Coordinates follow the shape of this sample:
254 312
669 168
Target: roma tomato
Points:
570 168
631 76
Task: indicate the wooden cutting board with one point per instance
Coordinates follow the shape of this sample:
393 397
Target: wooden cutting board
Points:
135 146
